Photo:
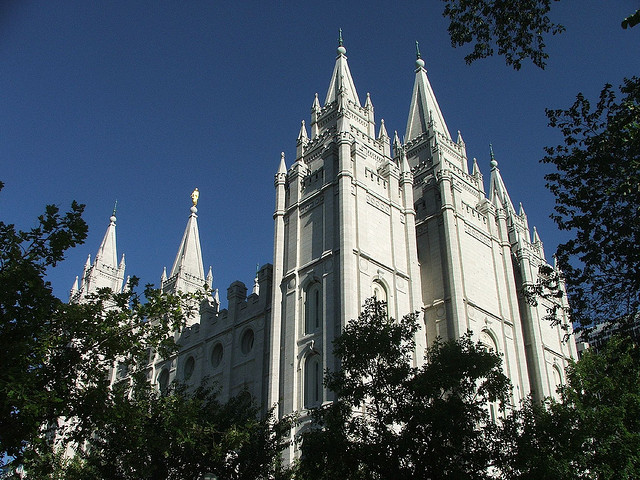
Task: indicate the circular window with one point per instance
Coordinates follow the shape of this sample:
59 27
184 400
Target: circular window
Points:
246 343
189 366
216 355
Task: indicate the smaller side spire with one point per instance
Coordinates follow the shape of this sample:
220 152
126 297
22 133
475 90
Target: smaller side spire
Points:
302 136
163 277
497 189
367 103
74 290
397 146
256 285
536 237
476 169
282 168
303 140
210 278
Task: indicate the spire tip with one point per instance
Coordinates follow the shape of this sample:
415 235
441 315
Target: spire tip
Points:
341 49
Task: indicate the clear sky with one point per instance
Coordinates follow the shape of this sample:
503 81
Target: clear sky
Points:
142 101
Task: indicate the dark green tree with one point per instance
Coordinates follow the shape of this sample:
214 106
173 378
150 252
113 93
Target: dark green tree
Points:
593 432
54 355
595 182
394 420
182 434
515 28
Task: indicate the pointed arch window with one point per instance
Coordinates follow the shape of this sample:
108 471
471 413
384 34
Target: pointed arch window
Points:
379 293
312 381
313 308
163 381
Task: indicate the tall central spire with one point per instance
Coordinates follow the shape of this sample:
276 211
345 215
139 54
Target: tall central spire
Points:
424 113
187 273
341 80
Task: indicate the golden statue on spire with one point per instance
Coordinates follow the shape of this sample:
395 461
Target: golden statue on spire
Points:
194 197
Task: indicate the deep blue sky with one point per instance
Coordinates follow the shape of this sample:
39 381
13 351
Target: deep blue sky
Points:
141 101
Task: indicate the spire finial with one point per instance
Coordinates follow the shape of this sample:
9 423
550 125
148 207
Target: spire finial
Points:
341 49
194 199
113 214
419 61
494 162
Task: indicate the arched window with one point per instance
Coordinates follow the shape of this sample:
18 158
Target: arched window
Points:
557 377
488 341
216 355
312 381
313 308
379 293
246 342
163 380
189 367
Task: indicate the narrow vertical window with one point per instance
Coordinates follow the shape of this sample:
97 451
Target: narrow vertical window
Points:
313 308
312 382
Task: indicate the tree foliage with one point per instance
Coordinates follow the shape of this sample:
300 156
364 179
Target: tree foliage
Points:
593 432
183 434
598 201
517 29
55 356
395 420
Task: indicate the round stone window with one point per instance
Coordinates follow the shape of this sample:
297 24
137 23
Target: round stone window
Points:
216 355
246 343
189 366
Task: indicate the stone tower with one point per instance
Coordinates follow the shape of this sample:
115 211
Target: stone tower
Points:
476 253
344 232
105 271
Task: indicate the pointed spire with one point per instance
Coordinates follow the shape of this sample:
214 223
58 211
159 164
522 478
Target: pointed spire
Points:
460 141
315 107
341 81
127 285
282 169
383 131
187 267
122 264
302 136
397 146
163 277
476 169
536 237
256 285
107 254
74 289
210 277
216 297
404 166
521 211
87 267
367 103
424 106
494 162
497 189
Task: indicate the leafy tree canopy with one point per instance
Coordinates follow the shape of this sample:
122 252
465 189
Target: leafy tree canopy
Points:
394 420
515 28
596 178
183 434
593 432
55 356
